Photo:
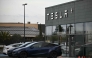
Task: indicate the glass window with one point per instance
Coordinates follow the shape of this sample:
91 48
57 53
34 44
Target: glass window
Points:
89 38
48 30
37 45
86 38
88 28
60 29
70 29
16 45
53 29
79 40
64 28
79 28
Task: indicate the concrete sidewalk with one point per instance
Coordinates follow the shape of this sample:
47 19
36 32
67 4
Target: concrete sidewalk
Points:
66 57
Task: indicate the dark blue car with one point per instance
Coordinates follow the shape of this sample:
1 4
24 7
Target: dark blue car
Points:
38 49
9 52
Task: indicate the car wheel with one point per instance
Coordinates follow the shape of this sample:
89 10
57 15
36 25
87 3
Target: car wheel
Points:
23 55
52 55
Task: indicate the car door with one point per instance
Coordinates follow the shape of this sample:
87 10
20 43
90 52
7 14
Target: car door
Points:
45 49
35 49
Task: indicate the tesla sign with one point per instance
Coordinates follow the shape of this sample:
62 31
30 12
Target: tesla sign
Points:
57 15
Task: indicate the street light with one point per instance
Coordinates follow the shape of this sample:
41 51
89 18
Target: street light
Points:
24 19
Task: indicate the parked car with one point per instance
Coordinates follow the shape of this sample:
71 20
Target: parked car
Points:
9 52
85 50
38 49
11 46
65 49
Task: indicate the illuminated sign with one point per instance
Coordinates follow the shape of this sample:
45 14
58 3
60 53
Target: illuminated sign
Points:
58 15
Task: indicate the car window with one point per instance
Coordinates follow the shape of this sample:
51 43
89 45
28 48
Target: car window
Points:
20 44
16 45
23 45
29 45
48 45
37 45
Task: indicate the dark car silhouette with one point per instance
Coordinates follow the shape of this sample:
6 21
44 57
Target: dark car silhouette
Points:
85 50
38 49
9 52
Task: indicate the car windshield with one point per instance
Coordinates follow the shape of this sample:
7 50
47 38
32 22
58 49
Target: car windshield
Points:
23 45
31 44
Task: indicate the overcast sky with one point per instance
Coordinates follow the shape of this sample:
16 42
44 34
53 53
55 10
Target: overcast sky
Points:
13 10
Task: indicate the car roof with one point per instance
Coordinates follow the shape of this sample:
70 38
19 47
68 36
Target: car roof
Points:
14 44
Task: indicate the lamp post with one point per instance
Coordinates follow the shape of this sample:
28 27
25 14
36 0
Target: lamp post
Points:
24 19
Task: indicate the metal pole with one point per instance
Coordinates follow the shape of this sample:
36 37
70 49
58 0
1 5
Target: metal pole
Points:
69 46
24 21
70 41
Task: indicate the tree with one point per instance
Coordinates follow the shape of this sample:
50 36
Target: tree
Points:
16 38
4 35
60 28
38 38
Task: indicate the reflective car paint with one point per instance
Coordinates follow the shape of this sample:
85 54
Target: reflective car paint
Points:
38 49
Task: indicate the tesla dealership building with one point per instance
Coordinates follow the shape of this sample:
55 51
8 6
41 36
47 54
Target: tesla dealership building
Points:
74 17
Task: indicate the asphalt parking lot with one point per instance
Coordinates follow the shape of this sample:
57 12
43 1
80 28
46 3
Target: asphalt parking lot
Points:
5 56
34 57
